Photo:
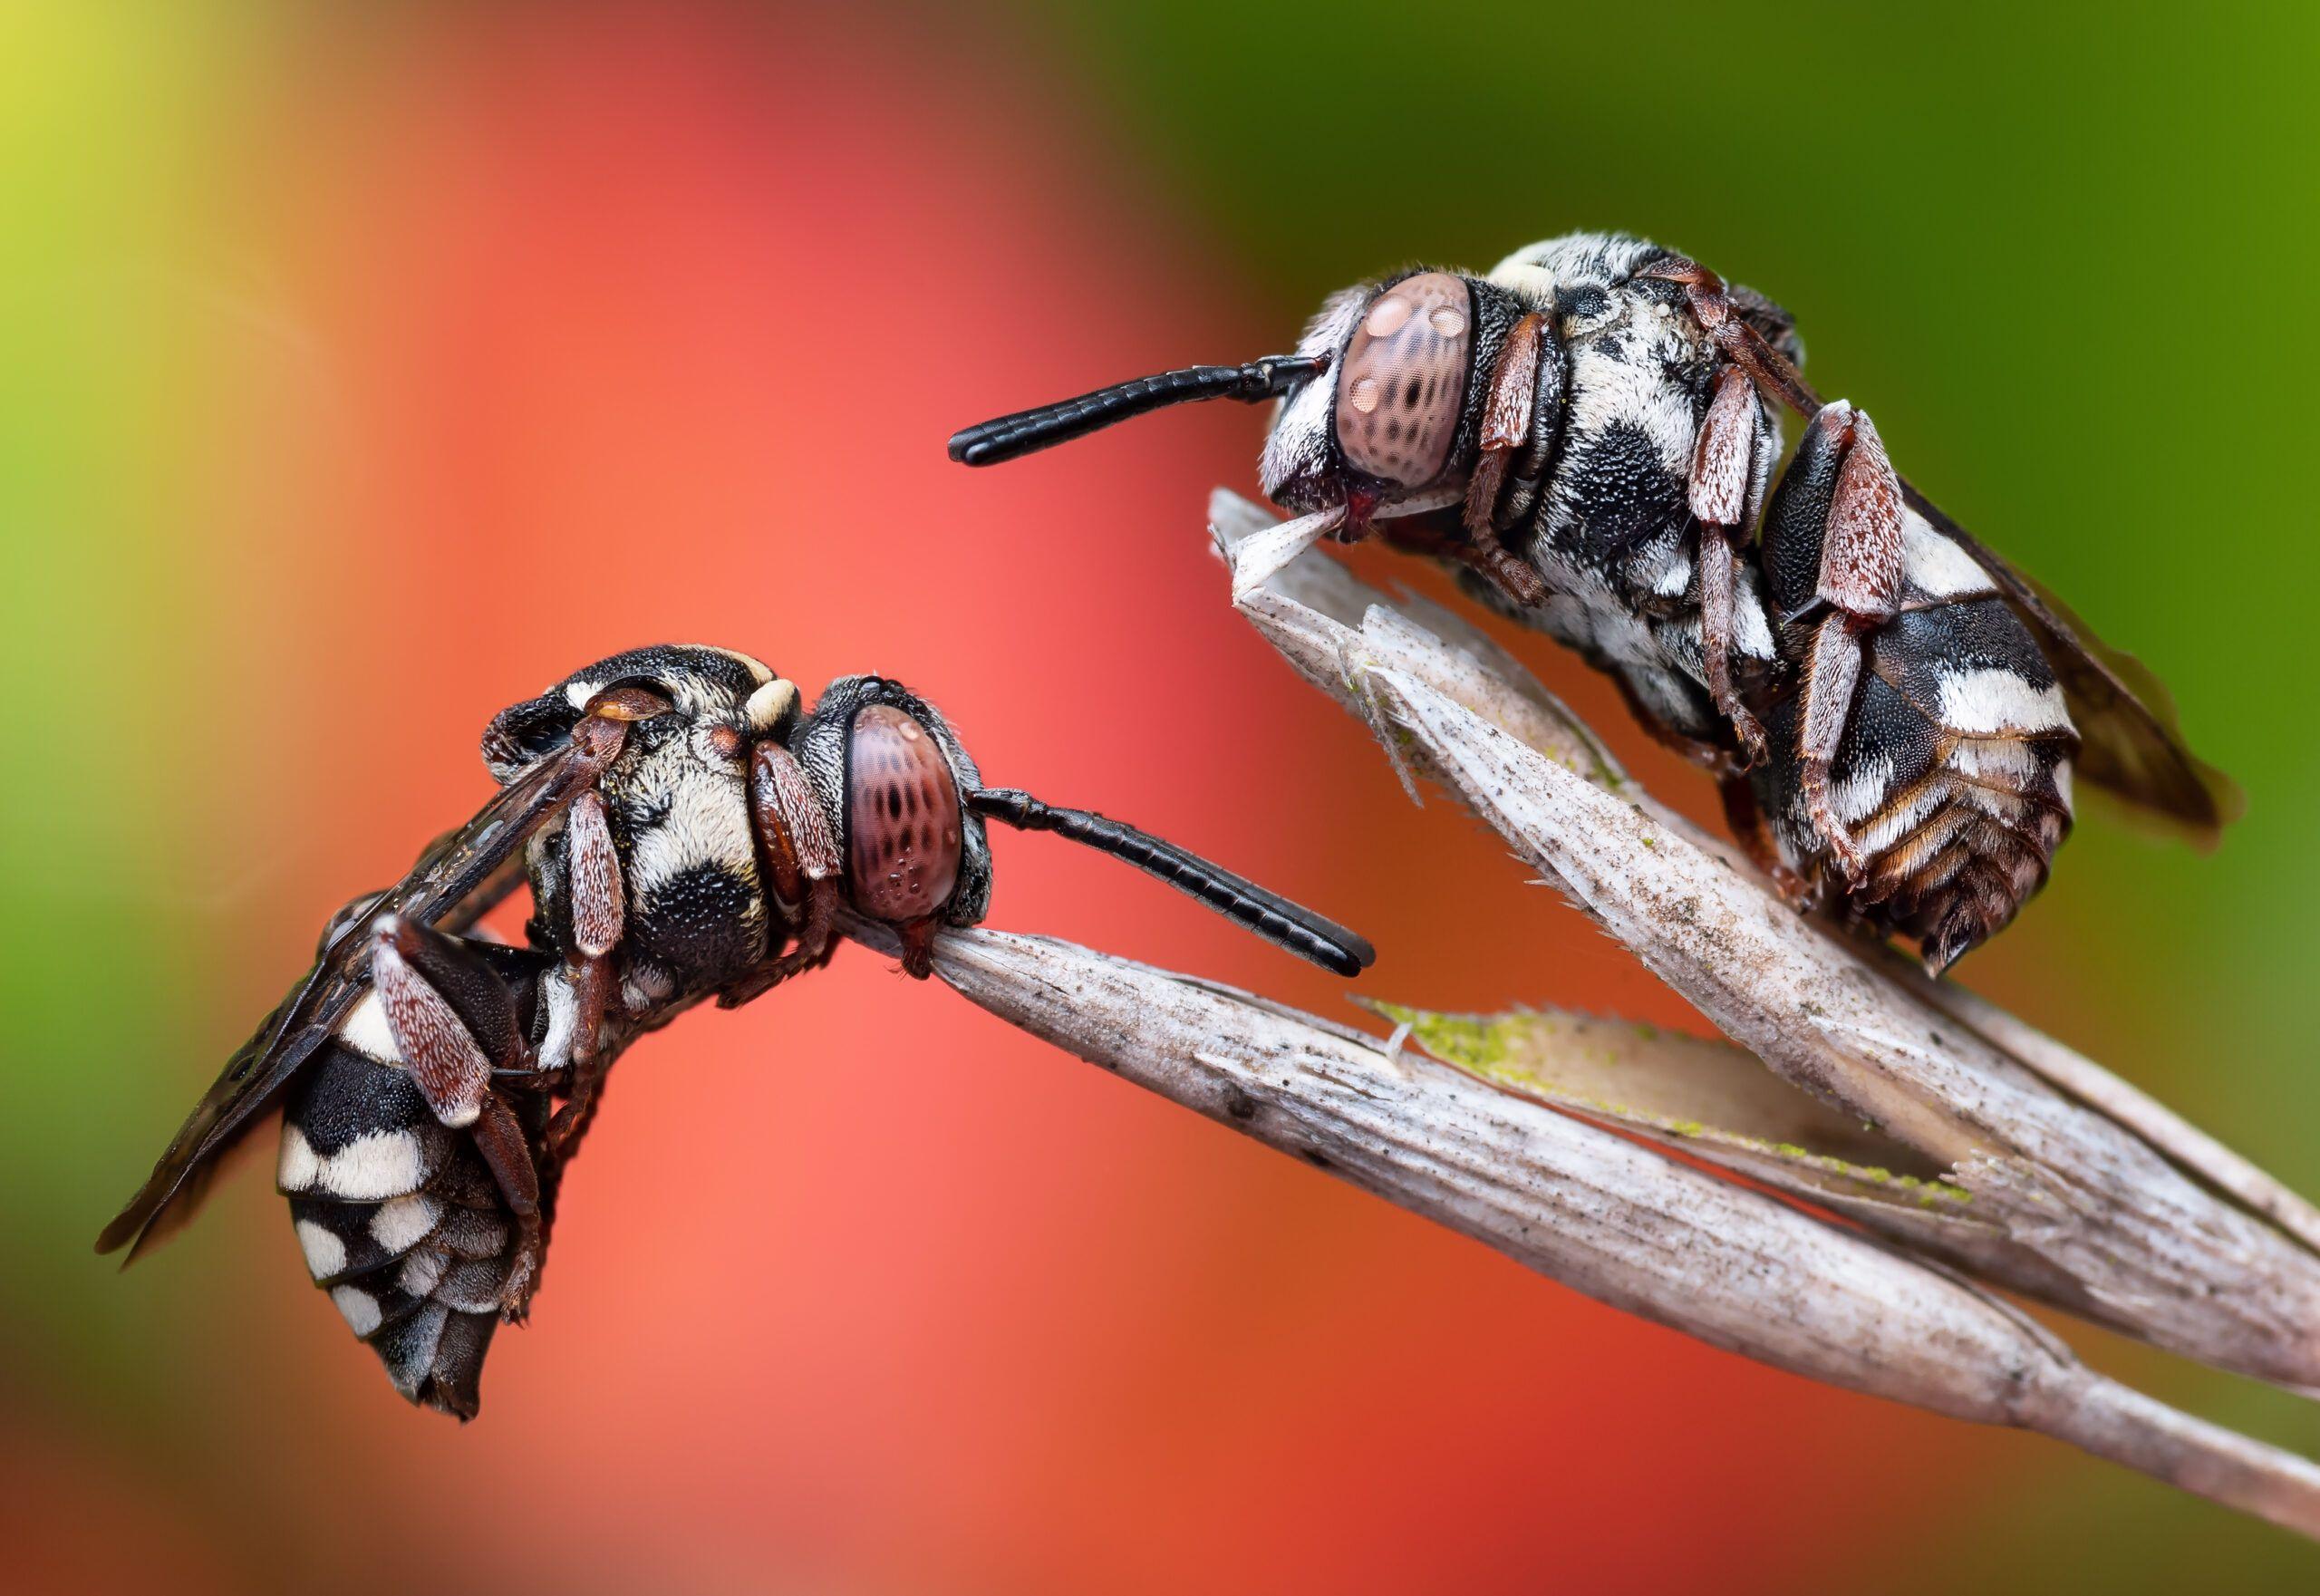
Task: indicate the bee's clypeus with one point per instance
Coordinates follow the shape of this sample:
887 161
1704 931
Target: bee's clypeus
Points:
1587 436
687 832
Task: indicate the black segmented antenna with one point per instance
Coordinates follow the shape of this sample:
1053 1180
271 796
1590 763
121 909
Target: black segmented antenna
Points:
1026 431
1304 933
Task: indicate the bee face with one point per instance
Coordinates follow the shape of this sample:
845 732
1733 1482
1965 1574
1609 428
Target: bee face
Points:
1394 418
903 817
889 774
1402 379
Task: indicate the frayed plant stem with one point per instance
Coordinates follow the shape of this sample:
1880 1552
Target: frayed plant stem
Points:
1737 1269
2088 1187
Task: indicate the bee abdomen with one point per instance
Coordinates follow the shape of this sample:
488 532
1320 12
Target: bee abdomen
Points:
397 1218
1954 776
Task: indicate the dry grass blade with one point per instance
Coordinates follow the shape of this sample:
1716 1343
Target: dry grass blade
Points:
1612 1218
2098 1199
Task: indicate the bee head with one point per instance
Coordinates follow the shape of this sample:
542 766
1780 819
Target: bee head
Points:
907 808
889 774
1380 406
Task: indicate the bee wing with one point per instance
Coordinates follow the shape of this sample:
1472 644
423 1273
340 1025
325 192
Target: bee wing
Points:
456 866
2130 743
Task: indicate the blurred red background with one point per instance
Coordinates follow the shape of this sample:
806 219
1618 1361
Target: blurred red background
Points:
535 342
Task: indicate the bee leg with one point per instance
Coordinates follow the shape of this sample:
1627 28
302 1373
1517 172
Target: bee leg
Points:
918 946
454 1024
1719 314
799 863
1508 408
599 916
1830 676
1511 576
500 1138
1723 467
1753 830
1841 495
1719 763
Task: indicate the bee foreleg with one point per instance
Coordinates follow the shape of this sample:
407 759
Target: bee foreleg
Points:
1508 409
803 871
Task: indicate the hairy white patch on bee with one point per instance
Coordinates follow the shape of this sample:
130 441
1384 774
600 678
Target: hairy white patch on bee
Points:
380 1165
2001 760
295 1169
1298 446
1633 390
1674 578
359 1308
402 1223
2062 785
1992 700
1751 634
1935 565
1857 795
365 1030
768 704
1903 816
563 1011
704 821
325 1253
420 1270
1537 270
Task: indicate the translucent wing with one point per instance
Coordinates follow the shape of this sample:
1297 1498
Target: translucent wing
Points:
2131 746
458 869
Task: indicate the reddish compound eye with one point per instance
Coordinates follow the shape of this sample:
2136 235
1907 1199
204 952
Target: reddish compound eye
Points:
1403 378
902 812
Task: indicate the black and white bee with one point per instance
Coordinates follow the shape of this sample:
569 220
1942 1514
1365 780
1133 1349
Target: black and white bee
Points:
1586 435
687 834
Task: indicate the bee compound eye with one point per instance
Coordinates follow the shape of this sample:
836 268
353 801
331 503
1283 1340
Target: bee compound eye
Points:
1403 382
901 818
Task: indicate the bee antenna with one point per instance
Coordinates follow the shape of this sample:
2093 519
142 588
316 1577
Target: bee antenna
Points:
1289 925
1049 424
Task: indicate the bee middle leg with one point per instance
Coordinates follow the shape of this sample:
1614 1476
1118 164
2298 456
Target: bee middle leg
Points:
599 920
1723 469
1510 409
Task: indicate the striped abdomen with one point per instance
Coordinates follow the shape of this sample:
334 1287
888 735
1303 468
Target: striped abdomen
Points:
398 1217
1954 774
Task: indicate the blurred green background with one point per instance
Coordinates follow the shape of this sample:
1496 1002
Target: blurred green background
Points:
2061 252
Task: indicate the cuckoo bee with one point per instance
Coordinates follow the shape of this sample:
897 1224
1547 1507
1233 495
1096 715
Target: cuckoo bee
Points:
1587 436
687 832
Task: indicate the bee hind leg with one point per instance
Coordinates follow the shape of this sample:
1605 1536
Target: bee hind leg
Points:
1841 497
454 1025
